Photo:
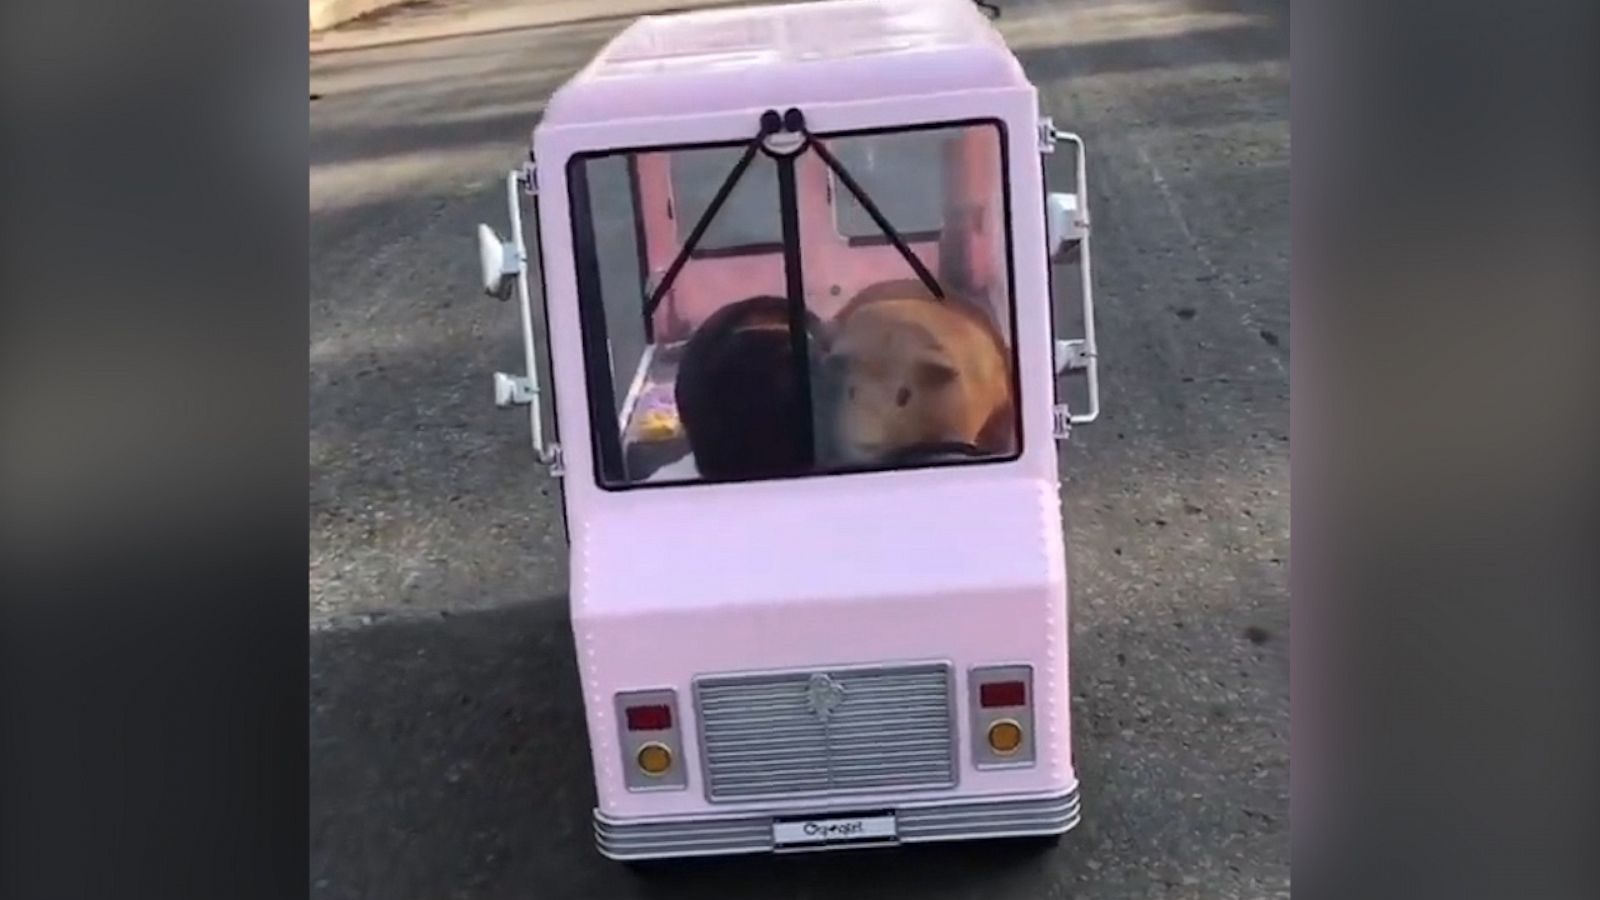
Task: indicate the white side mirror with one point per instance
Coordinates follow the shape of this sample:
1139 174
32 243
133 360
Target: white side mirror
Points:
499 264
1064 224
1071 355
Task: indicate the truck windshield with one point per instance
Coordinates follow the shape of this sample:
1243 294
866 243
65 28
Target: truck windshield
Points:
798 304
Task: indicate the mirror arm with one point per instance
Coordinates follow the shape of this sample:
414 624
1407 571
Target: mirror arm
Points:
526 389
1084 353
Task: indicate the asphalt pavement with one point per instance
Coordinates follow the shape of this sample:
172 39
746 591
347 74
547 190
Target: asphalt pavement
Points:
447 738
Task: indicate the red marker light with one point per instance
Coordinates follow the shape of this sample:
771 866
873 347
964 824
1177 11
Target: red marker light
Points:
649 718
1002 693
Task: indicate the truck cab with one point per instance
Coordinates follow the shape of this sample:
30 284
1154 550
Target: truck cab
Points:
806 380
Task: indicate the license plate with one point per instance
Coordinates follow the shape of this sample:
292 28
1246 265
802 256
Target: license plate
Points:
833 830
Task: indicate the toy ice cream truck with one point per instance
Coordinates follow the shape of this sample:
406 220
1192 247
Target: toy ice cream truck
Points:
807 378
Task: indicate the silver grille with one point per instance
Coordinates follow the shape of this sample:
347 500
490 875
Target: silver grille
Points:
826 732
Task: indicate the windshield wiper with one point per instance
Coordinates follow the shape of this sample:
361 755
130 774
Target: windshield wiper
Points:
700 226
770 124
878 218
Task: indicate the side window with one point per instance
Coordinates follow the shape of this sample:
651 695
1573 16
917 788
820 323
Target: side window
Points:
616 238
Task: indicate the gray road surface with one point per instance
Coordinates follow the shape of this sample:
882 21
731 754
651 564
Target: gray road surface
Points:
447 754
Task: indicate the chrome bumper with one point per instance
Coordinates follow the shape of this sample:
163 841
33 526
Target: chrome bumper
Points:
914 823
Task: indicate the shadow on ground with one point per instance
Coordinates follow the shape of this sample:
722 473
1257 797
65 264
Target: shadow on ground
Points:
464 735
451 761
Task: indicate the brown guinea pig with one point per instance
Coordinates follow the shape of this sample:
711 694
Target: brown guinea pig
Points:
908 369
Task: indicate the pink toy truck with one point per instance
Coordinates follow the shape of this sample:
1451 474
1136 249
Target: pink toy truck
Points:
807 389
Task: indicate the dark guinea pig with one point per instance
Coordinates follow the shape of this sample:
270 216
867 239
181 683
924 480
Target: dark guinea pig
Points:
738 398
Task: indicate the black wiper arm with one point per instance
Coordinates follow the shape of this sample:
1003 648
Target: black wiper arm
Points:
700 227
769 125
879 219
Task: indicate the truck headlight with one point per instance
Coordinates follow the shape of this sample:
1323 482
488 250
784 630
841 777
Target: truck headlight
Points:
654 759
650 733
1001 716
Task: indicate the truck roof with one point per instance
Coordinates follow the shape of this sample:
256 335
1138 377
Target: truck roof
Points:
792 54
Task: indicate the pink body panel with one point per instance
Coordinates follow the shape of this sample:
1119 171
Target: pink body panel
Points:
808 55
707 594
963 564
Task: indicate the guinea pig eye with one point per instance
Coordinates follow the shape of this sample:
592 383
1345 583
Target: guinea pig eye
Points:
903 397
934 375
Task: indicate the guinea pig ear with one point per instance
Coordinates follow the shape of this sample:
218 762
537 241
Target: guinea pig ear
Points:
931 374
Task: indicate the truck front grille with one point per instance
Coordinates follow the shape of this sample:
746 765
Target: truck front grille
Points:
826 731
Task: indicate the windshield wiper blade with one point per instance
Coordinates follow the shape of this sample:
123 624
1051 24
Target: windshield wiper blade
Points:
878 218
700 227
769 125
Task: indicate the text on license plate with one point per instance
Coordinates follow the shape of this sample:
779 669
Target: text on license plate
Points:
833 830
